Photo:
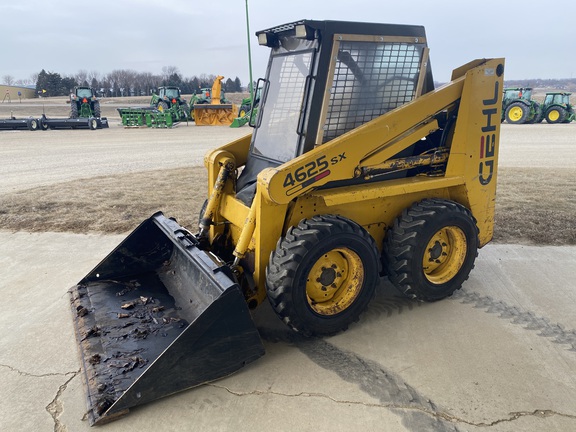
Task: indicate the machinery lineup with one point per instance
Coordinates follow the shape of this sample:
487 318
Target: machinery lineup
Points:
357 168
518 107
167 108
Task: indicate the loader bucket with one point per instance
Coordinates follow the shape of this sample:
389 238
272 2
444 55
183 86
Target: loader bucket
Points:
157 316
239 122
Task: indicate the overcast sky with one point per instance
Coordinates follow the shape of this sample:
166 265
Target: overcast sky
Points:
537 38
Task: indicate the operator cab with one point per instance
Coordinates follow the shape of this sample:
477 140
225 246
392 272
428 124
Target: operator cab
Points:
325 78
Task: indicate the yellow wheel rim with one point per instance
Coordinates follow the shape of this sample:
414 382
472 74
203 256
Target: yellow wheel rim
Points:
554 115
444 255
242 113
334 281
515 113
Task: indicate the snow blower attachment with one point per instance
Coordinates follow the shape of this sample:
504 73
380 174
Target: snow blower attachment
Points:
158 316
215 113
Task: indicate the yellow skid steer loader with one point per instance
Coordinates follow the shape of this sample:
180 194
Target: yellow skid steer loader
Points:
357 168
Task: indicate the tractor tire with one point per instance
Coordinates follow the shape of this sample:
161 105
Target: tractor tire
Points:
162 106
244 109
322 275
539 116
73 110
517 113
185 109
32 124
431 248
555 114
97 109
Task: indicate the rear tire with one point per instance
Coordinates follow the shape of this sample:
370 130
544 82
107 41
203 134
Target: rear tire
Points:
517 113
555 114
244 109
97 109
322 275
162 106
73 110
185 109
431 249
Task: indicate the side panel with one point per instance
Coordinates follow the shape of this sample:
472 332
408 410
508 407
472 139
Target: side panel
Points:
474 153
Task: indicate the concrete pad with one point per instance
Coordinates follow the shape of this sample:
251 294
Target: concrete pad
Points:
499 355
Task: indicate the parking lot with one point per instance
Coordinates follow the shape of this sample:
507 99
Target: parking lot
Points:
499 355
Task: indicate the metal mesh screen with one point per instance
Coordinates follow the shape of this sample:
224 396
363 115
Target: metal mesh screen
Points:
369 80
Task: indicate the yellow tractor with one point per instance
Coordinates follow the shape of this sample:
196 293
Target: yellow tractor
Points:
357 168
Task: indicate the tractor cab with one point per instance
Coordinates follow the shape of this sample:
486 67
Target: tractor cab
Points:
169 93
84 93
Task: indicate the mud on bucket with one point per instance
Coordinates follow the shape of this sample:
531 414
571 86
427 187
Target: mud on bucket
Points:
158 316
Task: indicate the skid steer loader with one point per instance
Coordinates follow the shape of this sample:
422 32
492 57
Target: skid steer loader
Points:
357 167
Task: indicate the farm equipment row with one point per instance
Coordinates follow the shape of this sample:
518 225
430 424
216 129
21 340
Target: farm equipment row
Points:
208 108
45 123
85 113
518 107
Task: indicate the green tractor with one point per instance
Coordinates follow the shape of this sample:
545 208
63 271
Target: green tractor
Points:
170 99
518 106
557 108
247 109
84 103
204 96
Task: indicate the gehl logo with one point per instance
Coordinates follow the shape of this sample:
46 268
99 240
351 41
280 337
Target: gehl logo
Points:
488 139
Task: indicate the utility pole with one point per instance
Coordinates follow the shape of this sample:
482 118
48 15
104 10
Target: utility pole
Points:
249 54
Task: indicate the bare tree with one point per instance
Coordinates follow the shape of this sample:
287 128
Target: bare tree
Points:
81 77
8 80
168 71
33 78
93 75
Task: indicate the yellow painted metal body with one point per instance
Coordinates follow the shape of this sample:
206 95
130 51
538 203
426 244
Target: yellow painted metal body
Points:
469 177
215 113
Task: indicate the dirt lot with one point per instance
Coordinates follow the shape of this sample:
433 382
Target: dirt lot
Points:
109 180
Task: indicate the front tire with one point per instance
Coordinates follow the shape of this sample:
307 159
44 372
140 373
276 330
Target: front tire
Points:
431 249
322 275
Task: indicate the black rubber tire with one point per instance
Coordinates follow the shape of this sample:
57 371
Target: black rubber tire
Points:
294 257
406 244
244 109
519 120
561 115
73 110
43 124
32 124
185 109
539 116
92 123
97 109
162 106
